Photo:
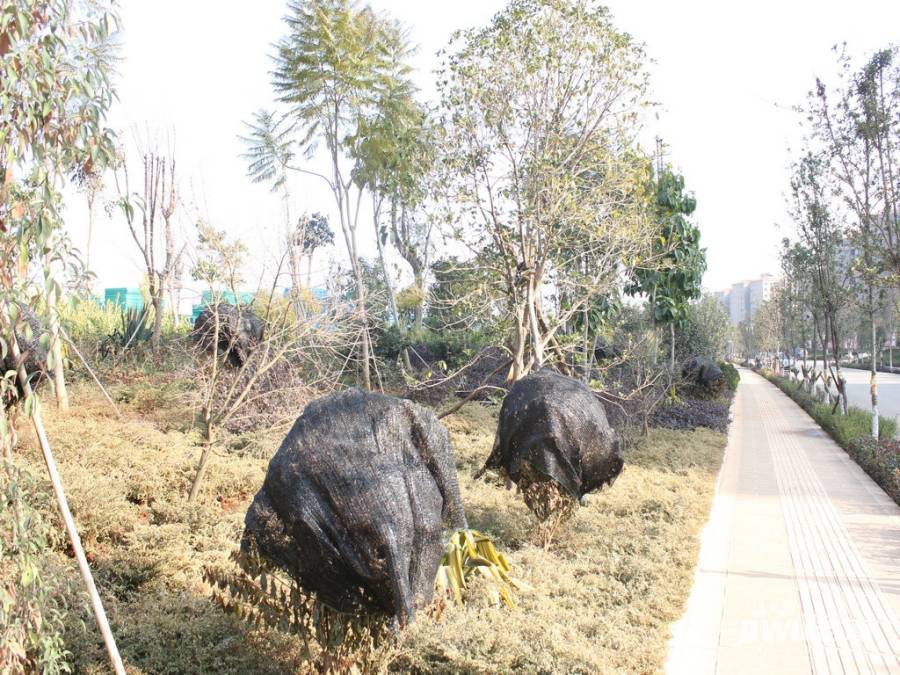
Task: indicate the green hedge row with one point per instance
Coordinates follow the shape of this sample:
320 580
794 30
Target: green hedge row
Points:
880 459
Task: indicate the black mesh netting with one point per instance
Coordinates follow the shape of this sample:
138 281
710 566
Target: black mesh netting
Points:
701 370
558 427
34 354
354 503
240 330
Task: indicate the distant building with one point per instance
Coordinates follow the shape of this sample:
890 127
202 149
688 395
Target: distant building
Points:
758 291
744 298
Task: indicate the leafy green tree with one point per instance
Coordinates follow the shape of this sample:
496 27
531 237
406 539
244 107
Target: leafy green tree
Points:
317 233
539 109
674 277
397 156
463 305
55 66
380 149
747 339
54 91
821 236
858 125
308 234
706 330
766 327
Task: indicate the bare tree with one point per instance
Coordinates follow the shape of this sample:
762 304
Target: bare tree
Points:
91 184
158 200
296 356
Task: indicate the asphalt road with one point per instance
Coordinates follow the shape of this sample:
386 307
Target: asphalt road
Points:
858 391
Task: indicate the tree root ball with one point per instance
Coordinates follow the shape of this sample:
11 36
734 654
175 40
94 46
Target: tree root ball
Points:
554 427
355 500
34 355
240 330
699 370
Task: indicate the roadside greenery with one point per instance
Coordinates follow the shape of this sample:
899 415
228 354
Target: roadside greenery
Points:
523 209
881 460
840 285
674 277
705 331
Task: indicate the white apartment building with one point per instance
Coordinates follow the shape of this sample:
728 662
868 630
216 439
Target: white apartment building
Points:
758 291
745 297
737 303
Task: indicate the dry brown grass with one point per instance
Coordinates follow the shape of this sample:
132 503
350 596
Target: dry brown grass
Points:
604 593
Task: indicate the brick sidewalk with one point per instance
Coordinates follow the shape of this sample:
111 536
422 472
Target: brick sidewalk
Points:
799 568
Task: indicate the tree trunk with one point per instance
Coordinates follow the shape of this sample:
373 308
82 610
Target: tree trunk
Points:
585 347
419 280
90 232
873 381
672 342
204 456
156 300
392 297
517 369
366 349
56 355
309 268
655 347
537 346
839 382
294 260
815 342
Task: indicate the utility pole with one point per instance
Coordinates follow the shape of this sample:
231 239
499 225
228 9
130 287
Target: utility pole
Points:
660 156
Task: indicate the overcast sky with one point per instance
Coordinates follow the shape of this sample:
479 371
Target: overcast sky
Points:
724 73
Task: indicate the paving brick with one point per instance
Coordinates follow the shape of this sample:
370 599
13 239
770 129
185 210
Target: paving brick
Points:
799 567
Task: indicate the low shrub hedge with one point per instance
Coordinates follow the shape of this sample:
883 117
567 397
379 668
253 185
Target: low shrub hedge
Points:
880 459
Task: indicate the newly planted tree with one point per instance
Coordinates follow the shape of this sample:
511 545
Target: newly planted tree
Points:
858 124
396 162
541 108
706 330
150 215
331 69
821 234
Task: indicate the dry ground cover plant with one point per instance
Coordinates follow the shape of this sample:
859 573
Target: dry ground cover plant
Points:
603 595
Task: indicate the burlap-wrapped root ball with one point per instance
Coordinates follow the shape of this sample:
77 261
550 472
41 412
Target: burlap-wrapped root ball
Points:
553 427
702 372
34 354
240 330
355 501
